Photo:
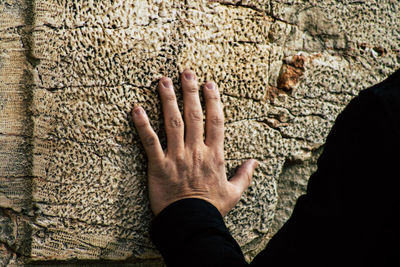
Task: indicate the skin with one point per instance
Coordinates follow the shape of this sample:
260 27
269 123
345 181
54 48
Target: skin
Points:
192 166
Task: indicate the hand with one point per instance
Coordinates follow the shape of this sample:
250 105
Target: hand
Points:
190 167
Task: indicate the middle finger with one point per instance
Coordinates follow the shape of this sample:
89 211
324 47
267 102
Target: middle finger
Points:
192 110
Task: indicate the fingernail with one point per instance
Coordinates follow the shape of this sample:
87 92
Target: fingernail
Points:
166 84
138 111
188 76
210 86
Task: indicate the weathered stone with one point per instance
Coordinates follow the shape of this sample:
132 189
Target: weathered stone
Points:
72 168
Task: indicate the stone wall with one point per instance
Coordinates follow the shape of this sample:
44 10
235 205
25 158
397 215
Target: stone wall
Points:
72 169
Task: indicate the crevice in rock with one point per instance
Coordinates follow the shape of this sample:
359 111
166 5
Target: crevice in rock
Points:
239 3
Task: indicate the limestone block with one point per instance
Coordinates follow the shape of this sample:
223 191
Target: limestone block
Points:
72 168
16 211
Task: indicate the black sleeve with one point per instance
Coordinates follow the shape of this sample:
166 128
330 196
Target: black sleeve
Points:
349 215
192 232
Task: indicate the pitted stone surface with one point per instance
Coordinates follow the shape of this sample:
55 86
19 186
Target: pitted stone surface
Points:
72 169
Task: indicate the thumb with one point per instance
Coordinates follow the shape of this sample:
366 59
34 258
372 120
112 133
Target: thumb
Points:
244 174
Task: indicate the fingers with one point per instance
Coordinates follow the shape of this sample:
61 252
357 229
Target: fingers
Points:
194 128
193 113
244 174
214 116
173 120
147 135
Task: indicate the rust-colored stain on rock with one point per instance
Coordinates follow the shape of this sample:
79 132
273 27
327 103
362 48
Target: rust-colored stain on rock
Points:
291 73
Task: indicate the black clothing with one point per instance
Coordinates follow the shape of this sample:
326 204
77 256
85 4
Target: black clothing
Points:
347 217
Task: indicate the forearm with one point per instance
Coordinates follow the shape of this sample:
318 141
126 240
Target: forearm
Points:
191 232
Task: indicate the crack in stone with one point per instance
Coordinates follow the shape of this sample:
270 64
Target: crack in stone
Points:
238 4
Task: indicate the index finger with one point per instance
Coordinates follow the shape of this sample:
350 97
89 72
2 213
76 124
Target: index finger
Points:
172 116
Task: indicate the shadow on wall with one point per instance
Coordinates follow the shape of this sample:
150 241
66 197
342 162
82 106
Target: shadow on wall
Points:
16 130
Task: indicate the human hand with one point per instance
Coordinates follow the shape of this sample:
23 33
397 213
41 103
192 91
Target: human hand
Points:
191 167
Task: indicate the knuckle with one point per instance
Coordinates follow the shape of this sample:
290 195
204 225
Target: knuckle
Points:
197 156
217 121
213 97
196 116
192 89
141 124
170 97
220 162
149 140
181 164
175 122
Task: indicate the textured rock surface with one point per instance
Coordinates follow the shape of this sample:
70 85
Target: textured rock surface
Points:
72 170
